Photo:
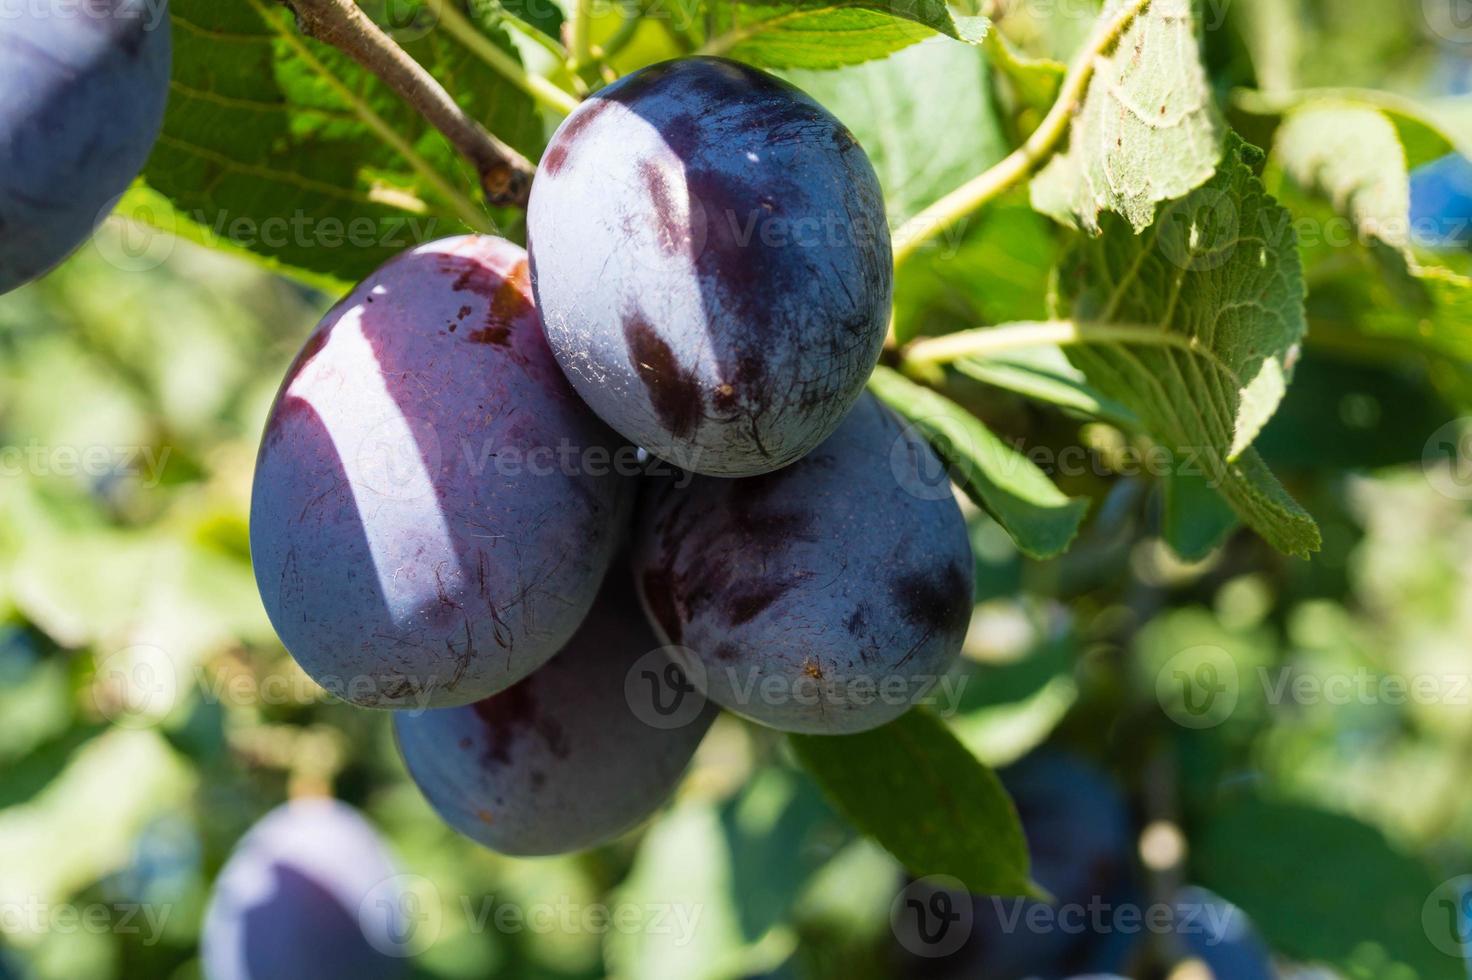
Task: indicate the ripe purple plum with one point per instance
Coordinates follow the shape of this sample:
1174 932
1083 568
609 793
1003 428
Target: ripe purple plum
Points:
823 598
1080 840
710 253
434 508
1220 935
82 93
574 755
309 892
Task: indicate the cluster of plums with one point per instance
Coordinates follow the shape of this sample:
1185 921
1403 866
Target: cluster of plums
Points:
82 93
534 499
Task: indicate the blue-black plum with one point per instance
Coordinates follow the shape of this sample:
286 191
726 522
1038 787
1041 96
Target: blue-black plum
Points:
823 598
1080 839
82 92
309 892
1220 935
710 254
1441 202
573 755
434 508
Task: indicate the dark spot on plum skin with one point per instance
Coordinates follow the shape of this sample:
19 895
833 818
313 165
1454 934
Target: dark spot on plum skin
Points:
745 605
497 334
674 391
728 652
660 595
554 159
507 296
669 225
934 601
695 570
507 716
557 155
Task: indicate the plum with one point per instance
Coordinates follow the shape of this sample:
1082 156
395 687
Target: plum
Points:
82 93
1220 935
1079 837
434 508
568 758
309 892
1441 203
823 598
710 254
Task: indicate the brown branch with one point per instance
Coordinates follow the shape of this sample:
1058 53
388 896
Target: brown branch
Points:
505 175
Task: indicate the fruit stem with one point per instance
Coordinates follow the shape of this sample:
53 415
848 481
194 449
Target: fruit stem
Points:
542 91
580 33
1020 164
505 175
990 341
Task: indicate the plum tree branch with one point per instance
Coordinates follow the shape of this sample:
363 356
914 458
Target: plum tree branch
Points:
1035 150
505 175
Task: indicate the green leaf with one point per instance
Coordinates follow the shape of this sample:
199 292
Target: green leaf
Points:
830 33
737 873
1347 414
1353 154
1035 81
1428 129
996 268
895 107
1042 519
912 786
1218 276
1045 374
288 148
132 776
1197 519
1278 862
1148 130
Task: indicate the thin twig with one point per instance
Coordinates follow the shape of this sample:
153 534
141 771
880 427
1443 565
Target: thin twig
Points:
505 175
540 89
